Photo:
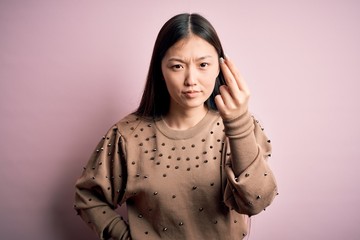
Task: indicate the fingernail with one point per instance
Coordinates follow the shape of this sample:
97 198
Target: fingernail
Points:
221 60
226 56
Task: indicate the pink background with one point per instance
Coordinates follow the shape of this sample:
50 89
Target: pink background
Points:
70 69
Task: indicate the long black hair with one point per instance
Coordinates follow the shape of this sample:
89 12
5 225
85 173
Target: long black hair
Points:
155 100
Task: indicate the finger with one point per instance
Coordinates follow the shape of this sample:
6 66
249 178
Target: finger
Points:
219 103
226 96
229 78
236 73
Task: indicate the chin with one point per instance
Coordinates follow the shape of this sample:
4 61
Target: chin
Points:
197 105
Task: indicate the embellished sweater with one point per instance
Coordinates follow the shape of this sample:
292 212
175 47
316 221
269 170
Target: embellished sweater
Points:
200 183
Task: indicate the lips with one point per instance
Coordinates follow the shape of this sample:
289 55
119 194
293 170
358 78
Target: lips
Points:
191 93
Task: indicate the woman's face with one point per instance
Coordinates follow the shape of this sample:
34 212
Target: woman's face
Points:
190 68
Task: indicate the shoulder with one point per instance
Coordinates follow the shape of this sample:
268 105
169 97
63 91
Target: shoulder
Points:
131 123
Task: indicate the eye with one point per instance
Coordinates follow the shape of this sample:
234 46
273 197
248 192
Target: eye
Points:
177 67
204 65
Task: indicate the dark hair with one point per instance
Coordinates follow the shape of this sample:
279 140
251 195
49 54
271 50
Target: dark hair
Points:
155 100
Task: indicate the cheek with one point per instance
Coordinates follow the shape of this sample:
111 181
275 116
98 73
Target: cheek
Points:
171 82
211 78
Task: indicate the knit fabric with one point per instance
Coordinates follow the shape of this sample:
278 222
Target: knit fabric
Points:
200 183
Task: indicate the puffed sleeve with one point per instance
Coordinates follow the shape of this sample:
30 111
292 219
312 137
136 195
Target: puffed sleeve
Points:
250 185
101 186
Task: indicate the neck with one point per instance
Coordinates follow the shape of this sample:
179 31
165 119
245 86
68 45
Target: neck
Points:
182 120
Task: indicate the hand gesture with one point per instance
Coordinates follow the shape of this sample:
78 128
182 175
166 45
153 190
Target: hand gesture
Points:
232 101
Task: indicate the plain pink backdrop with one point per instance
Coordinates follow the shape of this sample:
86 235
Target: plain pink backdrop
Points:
70 69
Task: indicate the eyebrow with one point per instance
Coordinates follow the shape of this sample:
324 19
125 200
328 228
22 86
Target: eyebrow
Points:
182 61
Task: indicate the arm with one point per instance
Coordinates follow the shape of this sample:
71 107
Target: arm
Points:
251 186
101 188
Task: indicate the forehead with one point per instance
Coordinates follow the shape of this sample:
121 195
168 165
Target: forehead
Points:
191 45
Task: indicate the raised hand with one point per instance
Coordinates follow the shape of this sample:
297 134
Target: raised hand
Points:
233 99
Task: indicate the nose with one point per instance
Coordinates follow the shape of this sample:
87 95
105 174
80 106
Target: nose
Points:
191 77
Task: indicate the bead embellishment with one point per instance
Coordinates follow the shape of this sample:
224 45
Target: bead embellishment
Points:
190 159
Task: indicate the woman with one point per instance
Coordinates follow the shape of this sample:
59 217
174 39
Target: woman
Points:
190 162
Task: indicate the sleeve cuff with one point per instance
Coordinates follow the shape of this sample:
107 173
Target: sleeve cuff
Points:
239 127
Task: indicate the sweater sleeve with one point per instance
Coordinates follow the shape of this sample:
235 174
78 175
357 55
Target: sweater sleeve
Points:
251 185
101 186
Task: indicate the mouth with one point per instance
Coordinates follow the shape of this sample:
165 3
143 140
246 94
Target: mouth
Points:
191 93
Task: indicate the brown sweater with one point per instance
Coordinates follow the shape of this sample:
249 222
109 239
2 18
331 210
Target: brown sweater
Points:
200 183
